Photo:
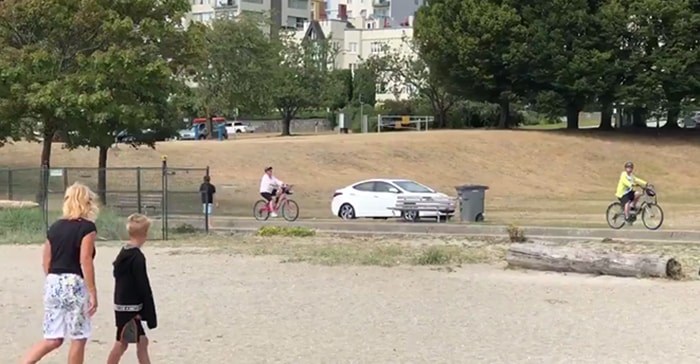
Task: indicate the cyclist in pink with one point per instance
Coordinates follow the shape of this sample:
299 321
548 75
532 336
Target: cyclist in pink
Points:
269 186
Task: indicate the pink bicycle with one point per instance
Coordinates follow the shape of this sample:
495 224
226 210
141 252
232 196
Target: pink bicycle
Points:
286 206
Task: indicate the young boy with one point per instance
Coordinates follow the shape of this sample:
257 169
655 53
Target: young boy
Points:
207 191
133 298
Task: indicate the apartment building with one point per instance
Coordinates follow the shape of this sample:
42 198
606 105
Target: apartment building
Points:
356 44
291 14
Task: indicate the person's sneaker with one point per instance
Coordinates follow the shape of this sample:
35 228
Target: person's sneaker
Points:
273 214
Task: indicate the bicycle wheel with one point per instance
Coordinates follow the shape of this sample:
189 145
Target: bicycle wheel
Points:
260 211
652 216
290 210
615 215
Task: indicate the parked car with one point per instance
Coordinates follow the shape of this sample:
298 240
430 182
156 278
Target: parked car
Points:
143 136
691 121
374 198
233 127
186 134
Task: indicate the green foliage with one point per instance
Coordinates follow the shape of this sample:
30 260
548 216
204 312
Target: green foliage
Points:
92 68
294 231
303 78
234 72
364 85
474 48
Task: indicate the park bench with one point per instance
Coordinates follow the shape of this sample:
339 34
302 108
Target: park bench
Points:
149 203
412 206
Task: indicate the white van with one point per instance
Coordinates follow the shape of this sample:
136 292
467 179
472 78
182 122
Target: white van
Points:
233 127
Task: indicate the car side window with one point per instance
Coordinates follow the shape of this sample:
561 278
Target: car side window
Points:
382 187
365 187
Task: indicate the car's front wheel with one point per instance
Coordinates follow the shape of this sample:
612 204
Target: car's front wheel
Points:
346 212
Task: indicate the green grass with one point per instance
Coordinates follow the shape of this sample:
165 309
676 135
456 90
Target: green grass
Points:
344 251
26 226
294 231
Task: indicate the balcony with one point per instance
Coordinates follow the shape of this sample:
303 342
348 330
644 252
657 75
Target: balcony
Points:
381 3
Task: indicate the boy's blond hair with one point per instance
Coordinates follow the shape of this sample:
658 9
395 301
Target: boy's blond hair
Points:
138 225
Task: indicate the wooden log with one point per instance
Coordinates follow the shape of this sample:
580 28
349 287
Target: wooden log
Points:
8 204
588 261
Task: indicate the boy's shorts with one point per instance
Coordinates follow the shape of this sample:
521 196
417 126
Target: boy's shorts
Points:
207 208
129 328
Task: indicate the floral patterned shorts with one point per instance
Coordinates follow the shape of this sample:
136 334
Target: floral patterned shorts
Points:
66 304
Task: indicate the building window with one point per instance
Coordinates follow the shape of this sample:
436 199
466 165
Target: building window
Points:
253 1
352 47
376 47
296 4
381 87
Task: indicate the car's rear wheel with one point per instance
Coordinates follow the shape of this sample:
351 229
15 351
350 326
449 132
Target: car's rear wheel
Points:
346 212
411 215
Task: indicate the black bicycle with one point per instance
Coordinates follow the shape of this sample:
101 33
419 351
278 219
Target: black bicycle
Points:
651 212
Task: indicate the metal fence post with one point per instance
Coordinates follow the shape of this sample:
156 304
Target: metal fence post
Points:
138 188
164 218
9 184
205 205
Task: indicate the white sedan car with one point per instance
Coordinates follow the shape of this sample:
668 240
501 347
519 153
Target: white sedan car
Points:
375 198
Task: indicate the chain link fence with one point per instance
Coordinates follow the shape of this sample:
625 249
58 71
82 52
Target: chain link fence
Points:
159 192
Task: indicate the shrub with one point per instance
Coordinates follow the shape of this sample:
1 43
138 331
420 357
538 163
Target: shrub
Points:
292 231
516 234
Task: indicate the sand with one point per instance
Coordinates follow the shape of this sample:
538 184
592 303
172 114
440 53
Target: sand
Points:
217 308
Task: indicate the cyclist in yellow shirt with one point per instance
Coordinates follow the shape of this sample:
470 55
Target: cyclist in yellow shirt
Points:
625 188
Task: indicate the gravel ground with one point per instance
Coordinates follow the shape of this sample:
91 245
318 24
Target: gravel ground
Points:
219 308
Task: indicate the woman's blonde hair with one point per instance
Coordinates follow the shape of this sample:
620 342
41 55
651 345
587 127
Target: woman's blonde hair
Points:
79 202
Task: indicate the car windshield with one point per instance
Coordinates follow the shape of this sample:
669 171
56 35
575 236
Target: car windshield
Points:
411 186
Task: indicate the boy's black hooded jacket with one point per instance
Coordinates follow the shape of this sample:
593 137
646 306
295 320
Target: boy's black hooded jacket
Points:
131 284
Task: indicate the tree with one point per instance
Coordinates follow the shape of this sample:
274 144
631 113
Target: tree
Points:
475 49
409 73
132 82
303 78
234 73
668 35
565 51
42 41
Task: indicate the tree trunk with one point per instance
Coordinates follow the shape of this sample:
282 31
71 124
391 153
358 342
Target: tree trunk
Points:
572 111
606 116
287 125
210 126
579 260
46 144
102 175
674 110
638 119
504 117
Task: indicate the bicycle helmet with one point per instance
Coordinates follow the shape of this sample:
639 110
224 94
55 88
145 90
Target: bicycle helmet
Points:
629 164
267 169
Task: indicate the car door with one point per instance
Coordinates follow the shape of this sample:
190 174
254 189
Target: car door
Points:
384 199
361 197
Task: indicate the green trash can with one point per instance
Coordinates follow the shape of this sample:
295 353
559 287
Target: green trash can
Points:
471 202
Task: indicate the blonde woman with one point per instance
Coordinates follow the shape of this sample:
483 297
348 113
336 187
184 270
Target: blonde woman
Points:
70 296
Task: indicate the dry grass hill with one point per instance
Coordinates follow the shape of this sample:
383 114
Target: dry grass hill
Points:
535 177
